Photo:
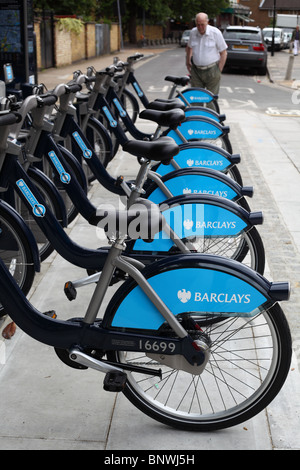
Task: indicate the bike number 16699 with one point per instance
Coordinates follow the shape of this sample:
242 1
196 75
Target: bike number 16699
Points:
156 346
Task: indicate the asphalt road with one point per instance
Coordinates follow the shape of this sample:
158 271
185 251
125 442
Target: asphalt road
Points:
241 89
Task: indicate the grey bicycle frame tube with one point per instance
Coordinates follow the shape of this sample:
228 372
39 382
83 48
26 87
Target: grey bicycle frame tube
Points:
137 191
151 294
114 260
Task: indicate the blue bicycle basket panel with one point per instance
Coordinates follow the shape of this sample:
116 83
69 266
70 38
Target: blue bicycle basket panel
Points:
196 130
193 184
196 96
194 220
198 158
189 290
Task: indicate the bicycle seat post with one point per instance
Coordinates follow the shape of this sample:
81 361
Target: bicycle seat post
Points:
118 245
172 91
137 188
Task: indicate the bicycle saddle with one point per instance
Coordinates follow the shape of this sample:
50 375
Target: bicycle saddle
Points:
160 150
182 81
166 105
170 118
142 220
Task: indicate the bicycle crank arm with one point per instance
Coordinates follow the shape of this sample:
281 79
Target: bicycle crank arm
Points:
105 366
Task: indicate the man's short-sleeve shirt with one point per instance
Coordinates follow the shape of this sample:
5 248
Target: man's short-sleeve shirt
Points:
207 47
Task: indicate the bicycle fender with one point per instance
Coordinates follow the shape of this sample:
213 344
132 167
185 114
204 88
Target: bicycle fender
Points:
206 112
197 181
27 233
199 216
195 283
198 95
200 155
198 127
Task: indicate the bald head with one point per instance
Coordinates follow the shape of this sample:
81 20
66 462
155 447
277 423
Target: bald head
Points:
201 22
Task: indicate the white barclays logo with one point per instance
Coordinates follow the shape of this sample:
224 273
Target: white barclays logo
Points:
211 162
188 224
201 98
213 297
184 296
202 132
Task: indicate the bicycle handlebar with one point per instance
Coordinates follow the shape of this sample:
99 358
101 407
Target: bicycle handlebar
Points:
136 56
9 118
46 100
73 88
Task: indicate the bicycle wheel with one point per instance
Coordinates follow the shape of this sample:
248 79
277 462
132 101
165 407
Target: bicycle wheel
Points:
131 104
222 142
235 174
100 144
15 252
249 362
247 248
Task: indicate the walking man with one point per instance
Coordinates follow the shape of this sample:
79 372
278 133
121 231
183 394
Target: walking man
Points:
206 54
295 38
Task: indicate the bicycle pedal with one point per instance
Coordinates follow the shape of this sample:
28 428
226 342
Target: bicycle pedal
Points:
51 314
114 381
70 290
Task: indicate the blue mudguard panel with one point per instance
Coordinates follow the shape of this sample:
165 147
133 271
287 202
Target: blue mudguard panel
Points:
193 184
198 111
197 128
189 290
194 95
197 157
195 219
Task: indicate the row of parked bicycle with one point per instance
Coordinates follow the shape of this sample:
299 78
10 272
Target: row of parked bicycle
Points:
194 336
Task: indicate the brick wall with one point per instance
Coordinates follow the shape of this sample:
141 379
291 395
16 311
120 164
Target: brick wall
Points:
90 40
151 32
62 47
71 47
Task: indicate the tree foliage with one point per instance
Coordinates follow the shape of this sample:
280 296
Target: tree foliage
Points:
67 7
134 11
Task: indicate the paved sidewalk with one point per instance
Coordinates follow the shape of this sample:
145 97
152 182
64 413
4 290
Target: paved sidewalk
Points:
46 405
54 76
284 69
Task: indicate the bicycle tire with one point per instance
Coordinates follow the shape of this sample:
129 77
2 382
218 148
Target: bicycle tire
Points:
238 382
247 248
100 144
235 174
222 141
15 252
130 103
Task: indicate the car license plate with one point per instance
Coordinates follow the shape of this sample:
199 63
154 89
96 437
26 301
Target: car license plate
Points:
239 46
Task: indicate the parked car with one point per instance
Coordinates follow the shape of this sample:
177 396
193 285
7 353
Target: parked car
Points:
185 37
278 38
246 48
287 37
